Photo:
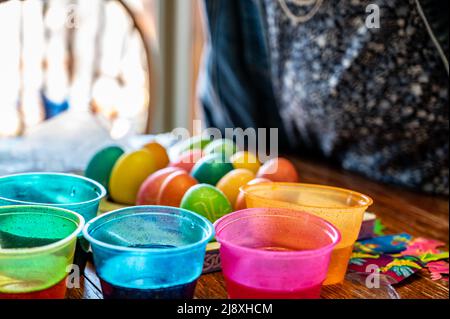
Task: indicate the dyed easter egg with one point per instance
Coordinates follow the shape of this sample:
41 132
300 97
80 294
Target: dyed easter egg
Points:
149 190
245 160
222 146
128 174
240 200
232 181
207 201
279 170
174 187
187 160
159 153
193 143
101 164
210 169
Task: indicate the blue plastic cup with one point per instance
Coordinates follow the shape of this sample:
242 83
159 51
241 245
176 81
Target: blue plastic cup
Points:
72 192
149 252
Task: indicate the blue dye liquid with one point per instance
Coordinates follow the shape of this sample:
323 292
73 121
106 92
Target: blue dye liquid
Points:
185 291
144 281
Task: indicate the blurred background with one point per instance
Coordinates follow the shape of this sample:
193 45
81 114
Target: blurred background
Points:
128 65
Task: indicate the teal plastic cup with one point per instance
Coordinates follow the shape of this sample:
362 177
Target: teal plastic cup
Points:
71 192
149 252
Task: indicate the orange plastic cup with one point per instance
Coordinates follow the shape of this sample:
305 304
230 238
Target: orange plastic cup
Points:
341 207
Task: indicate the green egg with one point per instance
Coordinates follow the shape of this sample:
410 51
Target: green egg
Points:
207 201
223 146
101 164
193 143
210 169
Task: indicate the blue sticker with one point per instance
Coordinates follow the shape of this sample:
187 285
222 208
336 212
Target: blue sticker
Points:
390 244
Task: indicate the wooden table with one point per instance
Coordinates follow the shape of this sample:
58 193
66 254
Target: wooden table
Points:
400 211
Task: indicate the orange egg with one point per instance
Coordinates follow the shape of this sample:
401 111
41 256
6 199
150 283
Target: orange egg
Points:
187 160
232 181
279 170
159 154
174 187
240 200
149 190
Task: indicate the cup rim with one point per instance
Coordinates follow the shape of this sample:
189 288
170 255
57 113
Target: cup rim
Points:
335 234
68 205
45 248
368 200
209 228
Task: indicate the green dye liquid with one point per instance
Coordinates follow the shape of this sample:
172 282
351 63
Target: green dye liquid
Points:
33 230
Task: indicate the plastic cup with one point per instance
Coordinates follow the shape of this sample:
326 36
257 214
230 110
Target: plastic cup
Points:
72 192
37 245
341 207
274 253
149 252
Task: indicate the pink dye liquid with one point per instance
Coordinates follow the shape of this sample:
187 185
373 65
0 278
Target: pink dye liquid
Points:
238 291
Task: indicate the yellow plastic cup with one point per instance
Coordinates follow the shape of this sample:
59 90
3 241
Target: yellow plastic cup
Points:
341 207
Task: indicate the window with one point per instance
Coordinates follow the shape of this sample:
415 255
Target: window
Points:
95 55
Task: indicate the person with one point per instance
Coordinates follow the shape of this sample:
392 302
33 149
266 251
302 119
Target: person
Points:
371 98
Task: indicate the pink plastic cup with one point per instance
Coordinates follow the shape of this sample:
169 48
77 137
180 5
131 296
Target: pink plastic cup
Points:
274 253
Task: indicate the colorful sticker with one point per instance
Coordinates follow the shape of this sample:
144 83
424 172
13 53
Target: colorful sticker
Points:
438 270
379 228
399 256
391 244
425 249
397 268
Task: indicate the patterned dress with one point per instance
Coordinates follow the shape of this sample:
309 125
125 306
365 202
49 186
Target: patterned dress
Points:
375 100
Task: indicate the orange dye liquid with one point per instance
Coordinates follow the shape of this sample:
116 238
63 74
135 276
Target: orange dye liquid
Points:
57 291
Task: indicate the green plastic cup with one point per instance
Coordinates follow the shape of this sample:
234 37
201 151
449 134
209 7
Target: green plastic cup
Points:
37 246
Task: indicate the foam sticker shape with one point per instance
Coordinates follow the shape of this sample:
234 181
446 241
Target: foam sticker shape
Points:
391 244
379 228
395 268
438 269
425 249
428 257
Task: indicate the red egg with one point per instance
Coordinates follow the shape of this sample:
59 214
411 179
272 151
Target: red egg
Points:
240 200
174 187
187 160
149 190
279 170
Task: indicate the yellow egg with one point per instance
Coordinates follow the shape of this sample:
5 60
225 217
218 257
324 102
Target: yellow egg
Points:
246 160
159 153
232 181
128 174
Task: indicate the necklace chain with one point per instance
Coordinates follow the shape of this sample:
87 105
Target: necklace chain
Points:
303 3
